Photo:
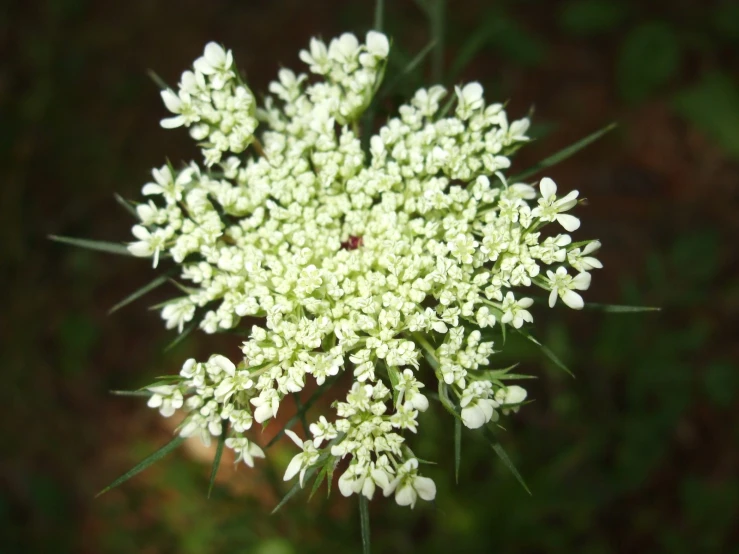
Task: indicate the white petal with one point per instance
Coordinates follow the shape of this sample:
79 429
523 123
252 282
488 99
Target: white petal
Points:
525 302
486 406
426 488
295 438
420 402
140 232
293 467
346 483
171 100
214 54
567 201
248 459
140 249
573 300
569 222
262 413
552 298
381 478
519 127
348 43
472 92
154 401
151 189
473 417
405 496
591 247
172 122
548 188
256 451
224 363
225 387
522 190
368 488
594 263
515 395
581 281
377 44
201 65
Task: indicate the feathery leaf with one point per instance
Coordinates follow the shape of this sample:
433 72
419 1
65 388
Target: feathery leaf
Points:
563 154
217 459
139 293
99 245
146 462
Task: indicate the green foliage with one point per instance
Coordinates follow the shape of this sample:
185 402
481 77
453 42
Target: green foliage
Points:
721 383
78 334
712 105
505 36
592 17
726 20
649 58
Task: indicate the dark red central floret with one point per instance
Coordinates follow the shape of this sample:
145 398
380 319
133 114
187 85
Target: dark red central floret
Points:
353 243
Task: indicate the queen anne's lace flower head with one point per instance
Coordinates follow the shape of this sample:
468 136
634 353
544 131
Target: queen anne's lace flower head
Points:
350 261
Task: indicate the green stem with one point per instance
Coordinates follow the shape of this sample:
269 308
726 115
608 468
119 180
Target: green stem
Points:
379 14
437 12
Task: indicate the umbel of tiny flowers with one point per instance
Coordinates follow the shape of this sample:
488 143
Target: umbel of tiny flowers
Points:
398 266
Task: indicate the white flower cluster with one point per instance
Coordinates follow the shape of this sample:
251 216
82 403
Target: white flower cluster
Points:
342 260
214 104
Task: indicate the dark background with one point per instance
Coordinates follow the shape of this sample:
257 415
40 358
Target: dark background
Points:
639 453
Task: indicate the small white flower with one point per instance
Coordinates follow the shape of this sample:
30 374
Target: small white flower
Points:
511 395
377 44
469 99
301 462
477 412
148 244
322 431
245 449
215 63
267 404
409 486
359 479
564 285
582 261
178 313
515 311
167 398
550 208
510 398
317 58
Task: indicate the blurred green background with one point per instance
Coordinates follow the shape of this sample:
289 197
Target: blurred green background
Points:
639 453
